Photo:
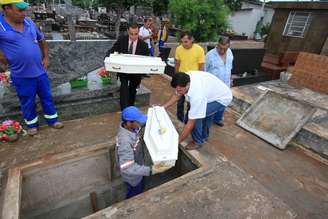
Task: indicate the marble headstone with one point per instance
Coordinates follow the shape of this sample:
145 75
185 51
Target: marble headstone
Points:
71 60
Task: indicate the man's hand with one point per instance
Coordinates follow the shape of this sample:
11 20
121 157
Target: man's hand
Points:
201 67
177 65
3 59
45 63
45 53
159 168
174 98
187 130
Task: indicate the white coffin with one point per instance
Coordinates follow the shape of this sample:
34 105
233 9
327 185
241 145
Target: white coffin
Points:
134 64
160 137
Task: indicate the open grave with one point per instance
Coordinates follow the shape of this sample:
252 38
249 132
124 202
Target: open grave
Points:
75 184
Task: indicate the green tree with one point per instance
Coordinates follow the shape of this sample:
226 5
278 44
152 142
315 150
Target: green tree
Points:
265 29
204 18
234 5
160 7
119 6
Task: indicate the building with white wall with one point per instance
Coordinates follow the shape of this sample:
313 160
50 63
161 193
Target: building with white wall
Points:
243 21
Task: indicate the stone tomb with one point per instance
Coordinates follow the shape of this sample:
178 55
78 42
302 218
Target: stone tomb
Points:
72 60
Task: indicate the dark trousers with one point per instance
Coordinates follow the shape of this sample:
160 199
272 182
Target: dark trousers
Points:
134 190
128 89
180 110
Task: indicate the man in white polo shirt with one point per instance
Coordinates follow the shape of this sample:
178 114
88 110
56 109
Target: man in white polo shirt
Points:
207 95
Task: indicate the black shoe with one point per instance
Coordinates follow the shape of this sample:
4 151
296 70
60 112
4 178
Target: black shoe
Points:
180 119
185 120
219 124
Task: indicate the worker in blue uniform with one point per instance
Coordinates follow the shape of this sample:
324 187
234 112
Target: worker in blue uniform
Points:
26 53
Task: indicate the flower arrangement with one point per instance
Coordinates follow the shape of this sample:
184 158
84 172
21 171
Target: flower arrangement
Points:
105 76
4 77
103 73
9 130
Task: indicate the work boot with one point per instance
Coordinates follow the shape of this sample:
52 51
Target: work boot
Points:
32 131
57 125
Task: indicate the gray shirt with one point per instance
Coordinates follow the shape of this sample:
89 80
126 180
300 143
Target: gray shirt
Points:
130 156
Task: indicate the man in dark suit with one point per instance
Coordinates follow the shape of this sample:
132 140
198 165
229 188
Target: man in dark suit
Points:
129 44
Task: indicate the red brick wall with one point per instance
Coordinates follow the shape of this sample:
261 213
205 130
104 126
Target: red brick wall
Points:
311 71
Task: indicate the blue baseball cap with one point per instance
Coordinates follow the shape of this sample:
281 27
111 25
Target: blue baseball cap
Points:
22 5
132 113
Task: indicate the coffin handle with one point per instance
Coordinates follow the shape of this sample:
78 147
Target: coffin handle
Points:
116 68
156 69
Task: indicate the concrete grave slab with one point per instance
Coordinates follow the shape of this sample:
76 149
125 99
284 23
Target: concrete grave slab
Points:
313 135
276 118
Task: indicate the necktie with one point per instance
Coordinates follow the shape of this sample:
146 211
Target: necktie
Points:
130 48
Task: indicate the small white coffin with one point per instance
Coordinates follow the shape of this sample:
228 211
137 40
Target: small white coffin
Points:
160 137
134 64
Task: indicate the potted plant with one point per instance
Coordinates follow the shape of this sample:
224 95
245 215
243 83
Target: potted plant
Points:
79 83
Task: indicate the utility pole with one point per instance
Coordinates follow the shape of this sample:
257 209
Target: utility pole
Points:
262 9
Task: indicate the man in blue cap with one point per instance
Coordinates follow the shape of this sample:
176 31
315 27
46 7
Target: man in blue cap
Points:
26 52
129 152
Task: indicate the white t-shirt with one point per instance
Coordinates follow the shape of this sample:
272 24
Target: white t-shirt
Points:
144 32
205 88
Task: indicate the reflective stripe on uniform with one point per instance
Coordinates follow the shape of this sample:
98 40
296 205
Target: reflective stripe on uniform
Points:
117 144
31 122
54 116
126 164
3 27
136 144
